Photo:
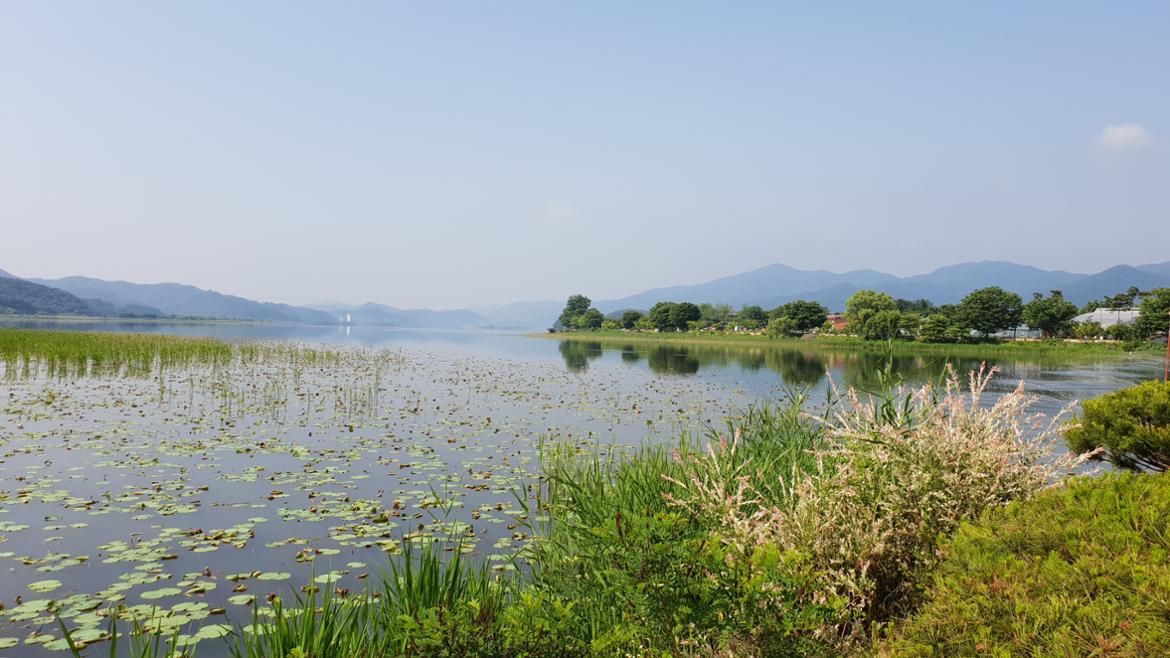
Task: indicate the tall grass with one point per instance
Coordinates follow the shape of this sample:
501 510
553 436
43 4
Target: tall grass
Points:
80 353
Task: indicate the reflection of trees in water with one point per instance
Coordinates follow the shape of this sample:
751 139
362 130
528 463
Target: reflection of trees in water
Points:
577 354
797 368
672 359
802 368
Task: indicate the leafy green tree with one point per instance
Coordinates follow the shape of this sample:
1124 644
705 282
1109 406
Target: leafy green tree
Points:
752 314
1051 316
682 314
863 305
938 328
781 325
804 315
715 313
590 319
1120 331
992 309
884 325
575 307
920 306
1154 316
1126 299
1087 330
630 319
660 316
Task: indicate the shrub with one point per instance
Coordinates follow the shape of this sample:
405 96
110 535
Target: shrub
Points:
903 472
1129 428
1077 571
652 569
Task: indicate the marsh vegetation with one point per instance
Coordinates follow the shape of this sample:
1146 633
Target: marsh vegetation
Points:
169 495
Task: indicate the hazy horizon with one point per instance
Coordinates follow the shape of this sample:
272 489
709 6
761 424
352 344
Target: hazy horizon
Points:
455 156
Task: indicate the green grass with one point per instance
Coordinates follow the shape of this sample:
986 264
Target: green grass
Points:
27 352
70 353
1007 349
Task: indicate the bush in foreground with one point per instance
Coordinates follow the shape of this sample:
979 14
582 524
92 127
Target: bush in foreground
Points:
1082 570
1129 428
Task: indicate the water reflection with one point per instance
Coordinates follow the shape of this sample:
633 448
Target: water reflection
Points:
796 367
578 353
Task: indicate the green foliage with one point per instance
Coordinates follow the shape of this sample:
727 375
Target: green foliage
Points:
671 316
1088 330
864 305
575 307
1130 427
630 319
939 328
1154 317
989 310
653 570
752 314
917 306
1051 316
1078 571
801 316
883 325
69 353
591 319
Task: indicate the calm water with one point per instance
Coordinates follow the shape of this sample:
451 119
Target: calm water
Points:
197 488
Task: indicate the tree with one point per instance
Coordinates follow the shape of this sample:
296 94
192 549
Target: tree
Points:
630 318
863 305
1087 330
752 314
1126 299
682 314
883 325
1153 317
781 325
715 313
992 309
660 316
920 306
574 308
1051 315
938 328
590 319
803 316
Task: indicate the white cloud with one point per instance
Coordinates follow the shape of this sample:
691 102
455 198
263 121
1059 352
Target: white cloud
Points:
1124 137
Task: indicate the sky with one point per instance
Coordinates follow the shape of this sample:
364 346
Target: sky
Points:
454 154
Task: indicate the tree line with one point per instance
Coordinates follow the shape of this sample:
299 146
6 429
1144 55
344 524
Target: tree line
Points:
874 315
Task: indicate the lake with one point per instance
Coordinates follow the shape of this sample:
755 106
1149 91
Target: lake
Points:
190 491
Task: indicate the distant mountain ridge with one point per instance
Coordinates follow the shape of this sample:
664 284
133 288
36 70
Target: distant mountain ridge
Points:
767 286
183 300
20 297
776 284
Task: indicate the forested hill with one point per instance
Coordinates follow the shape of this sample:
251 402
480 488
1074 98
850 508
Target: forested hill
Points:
27 298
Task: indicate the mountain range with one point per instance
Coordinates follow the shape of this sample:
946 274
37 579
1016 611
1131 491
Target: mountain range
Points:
767 286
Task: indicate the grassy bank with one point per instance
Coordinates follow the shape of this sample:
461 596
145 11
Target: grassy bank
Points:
1007 349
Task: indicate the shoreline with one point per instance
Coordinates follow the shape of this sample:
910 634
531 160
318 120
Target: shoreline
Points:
845 343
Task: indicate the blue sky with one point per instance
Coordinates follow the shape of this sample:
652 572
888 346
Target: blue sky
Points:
443 154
